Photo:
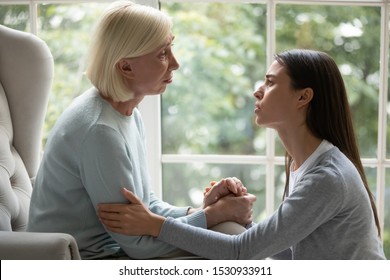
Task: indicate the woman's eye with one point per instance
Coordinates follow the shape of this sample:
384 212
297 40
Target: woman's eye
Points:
269 83
163 54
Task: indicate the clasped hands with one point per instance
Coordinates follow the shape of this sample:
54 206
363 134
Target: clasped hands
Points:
226 200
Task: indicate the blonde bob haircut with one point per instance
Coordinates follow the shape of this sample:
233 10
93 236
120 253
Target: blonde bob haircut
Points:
126 30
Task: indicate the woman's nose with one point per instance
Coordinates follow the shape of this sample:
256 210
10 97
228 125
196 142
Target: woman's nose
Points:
258 93
173 64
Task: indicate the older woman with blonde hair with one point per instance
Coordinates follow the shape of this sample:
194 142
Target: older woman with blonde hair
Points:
97 145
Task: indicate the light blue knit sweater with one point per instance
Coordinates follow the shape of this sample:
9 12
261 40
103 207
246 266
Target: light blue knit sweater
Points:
93 151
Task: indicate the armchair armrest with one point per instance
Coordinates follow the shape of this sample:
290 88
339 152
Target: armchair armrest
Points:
37 246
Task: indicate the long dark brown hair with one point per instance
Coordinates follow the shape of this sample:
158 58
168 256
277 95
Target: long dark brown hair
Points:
328 116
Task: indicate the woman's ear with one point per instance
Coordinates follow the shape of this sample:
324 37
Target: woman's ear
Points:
124 67
305 96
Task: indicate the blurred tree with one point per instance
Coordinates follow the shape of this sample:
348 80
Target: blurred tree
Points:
351 35
15 16
209 107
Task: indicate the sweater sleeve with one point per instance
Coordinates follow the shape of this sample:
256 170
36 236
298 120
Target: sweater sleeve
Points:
165 209
106 166
314 201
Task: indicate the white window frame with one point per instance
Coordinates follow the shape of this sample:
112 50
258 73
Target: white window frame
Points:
151 106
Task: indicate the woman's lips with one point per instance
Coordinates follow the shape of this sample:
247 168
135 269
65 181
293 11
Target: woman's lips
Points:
169 80
257 107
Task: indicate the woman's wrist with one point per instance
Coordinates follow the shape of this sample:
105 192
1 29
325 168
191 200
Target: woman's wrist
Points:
213 216
158 222
192 210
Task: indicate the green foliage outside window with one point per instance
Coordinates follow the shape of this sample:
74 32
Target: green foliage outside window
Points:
222 52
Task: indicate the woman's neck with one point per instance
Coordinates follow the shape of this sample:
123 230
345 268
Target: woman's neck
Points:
126 107
299 144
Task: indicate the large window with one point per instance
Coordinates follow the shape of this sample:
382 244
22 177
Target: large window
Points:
202 128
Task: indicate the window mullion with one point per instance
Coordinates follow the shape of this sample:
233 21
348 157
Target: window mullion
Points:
150 109
33 7
270 134
382 113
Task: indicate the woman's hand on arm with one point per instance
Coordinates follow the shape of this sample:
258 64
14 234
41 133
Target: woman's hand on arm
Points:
130 219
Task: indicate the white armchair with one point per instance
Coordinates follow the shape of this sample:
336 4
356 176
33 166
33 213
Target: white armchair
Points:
26 74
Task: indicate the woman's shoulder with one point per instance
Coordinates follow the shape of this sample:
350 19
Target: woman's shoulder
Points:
337 163
334 170
83 105
78 117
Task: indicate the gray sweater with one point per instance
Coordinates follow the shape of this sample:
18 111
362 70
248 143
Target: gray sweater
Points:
327 216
